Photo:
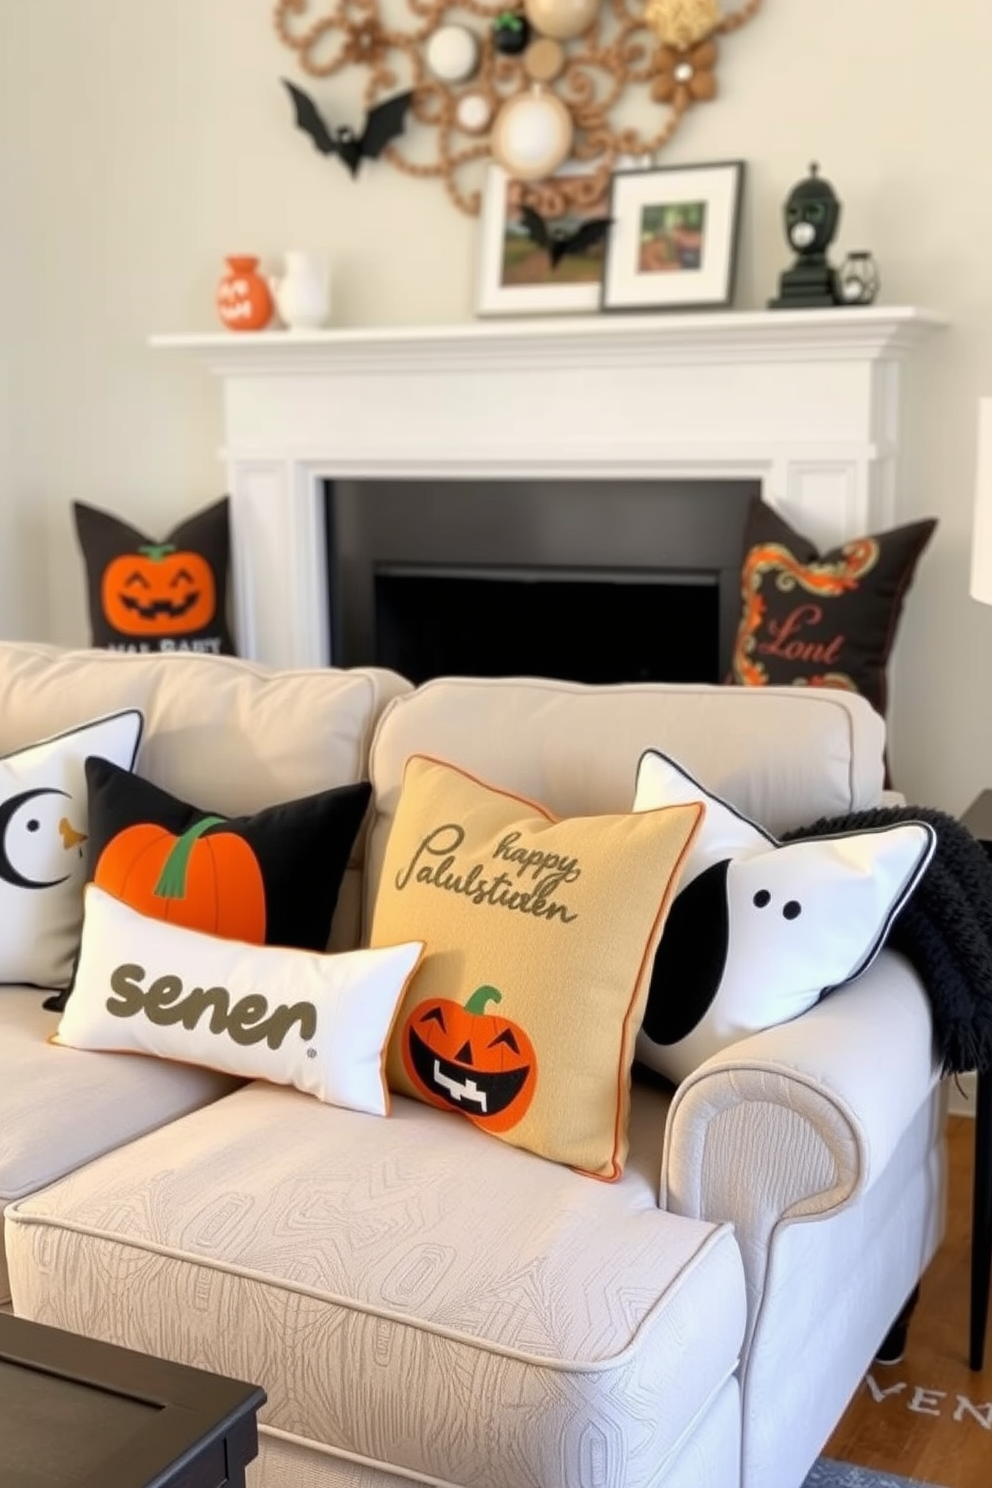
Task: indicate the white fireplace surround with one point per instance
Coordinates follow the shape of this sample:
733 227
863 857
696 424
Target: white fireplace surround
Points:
809 402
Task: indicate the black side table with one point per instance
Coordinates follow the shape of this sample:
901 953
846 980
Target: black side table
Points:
978 820
81 1413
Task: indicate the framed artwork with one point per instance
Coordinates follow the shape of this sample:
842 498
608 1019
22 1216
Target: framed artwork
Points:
537 264
673 243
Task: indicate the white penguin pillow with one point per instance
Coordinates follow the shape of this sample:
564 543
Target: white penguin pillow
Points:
43 864
759 930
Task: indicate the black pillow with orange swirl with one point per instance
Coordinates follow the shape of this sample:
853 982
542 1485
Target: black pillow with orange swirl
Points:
817 619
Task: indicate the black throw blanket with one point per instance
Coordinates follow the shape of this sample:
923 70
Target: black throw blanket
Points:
944 930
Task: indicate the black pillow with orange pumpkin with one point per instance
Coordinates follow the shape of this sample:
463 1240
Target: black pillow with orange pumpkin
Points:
157 596
271 878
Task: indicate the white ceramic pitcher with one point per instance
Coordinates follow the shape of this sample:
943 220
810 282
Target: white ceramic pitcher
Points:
303 294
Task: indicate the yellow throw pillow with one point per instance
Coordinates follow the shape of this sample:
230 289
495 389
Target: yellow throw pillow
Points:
540 935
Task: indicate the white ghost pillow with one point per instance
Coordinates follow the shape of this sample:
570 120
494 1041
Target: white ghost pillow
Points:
43 861
759 930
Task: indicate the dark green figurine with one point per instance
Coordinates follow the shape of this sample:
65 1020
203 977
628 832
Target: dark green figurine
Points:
812 216
511 33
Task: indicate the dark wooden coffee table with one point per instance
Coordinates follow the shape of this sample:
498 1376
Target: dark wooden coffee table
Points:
75 1413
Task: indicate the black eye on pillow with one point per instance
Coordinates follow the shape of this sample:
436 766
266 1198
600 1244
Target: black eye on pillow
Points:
691 958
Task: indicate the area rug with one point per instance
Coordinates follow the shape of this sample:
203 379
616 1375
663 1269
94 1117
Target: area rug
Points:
829 1474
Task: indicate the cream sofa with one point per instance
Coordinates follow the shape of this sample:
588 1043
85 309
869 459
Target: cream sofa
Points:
421 1302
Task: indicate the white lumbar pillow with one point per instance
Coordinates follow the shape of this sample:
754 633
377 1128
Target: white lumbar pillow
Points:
43 829
759 929
316 1021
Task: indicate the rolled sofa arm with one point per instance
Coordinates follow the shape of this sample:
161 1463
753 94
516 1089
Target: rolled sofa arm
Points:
800 1119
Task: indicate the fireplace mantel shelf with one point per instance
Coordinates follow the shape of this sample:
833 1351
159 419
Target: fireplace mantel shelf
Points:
805 402
868 333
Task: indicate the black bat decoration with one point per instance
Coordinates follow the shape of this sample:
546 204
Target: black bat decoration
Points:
556 241
382 123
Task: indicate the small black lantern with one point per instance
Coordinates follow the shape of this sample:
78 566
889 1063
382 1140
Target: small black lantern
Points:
858 276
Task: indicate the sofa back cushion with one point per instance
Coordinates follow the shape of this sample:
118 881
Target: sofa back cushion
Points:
218 729
781 755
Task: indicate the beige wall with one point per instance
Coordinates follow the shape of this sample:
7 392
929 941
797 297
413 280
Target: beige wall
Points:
143 139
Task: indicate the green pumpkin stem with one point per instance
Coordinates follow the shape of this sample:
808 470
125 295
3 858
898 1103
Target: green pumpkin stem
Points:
172 880
480 997
157 551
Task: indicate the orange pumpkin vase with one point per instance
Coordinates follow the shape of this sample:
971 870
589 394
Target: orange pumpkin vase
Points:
160 590
210 883
465 1059
243 299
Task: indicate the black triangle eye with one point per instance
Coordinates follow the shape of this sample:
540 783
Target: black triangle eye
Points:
436 1015
506 1037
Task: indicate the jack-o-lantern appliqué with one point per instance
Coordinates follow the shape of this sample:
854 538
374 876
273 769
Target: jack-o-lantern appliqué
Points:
149 595
159 590
467 1059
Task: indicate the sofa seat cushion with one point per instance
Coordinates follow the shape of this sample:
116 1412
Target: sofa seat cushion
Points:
60 1108
405 1290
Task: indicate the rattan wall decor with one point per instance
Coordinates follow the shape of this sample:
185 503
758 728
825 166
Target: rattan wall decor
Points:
466 62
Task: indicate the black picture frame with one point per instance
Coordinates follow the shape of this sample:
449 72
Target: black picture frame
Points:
660 274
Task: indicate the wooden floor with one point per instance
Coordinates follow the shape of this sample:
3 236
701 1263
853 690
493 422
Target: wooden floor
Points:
930 1417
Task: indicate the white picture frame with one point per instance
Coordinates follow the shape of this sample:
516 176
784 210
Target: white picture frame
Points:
555 291
674 239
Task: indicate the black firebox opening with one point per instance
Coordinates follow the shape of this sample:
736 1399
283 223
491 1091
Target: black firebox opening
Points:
589 580
581 626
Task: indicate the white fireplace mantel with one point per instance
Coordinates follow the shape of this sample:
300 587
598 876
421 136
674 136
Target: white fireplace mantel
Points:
809 402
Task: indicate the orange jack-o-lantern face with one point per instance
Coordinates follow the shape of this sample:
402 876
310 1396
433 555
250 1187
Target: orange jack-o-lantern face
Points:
465 1059
244 302
160 590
